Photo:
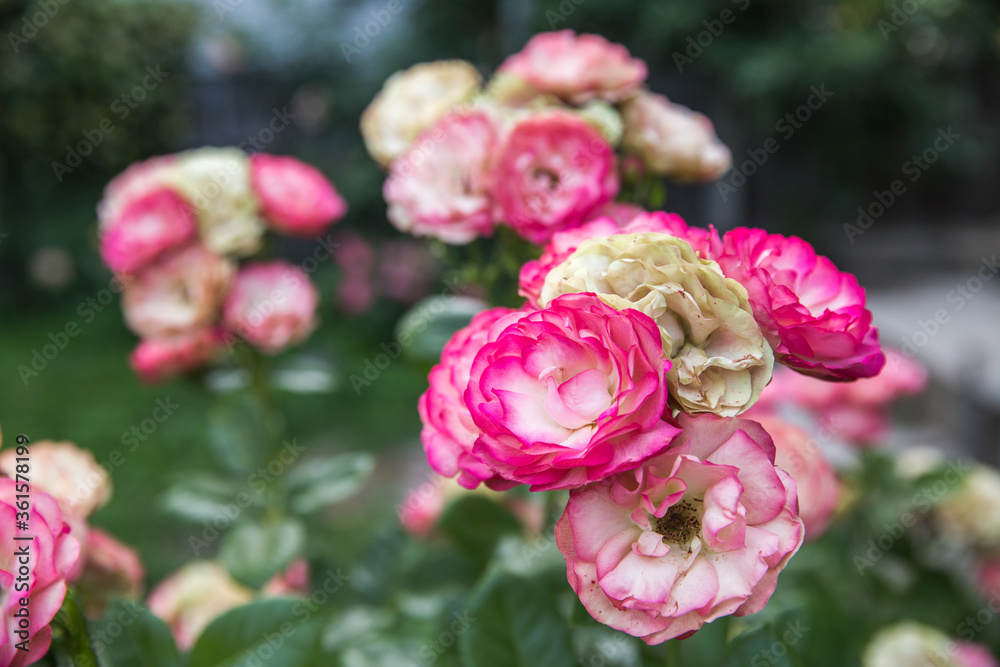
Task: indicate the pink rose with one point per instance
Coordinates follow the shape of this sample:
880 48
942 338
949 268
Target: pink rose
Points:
293 582
194 596
139 180
699 532
356 259
53 553
569 395
813 315
147 227
157 359
296 198
449 433
441 185
621 212
968 654
901 376
423 506
563 243
272 305
110 569
406 270
673 140
859 425
178 294
577 68
555 170
68 473
801 457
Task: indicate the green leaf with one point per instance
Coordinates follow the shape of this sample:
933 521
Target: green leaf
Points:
320 482
200 497
476 525
255 552
130 636
235 433
425 328
279 631
513 621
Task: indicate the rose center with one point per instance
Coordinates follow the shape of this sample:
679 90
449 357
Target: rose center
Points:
548 178
680 524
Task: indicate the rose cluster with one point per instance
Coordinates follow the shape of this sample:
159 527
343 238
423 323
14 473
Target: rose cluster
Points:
173 230
535 148
624 379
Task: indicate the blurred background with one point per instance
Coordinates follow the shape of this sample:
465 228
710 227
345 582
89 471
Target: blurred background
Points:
908 92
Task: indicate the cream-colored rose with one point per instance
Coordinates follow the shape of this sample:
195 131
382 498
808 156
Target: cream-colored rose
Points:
605 119
216 181
721 361
910 644
194 596
972 511
66 472
673 140
411 101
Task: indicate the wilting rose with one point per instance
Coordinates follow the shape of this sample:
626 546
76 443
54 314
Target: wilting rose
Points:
272 305
813 315
971 511
721 361
139 180
800 456
194 596
110 570
563 243
576 68
216 182
911 644
147 227
411 101
569 395
554 171
179 294
441 186
697 533
448 432
66 472
157 359
53 553
296 198
673 140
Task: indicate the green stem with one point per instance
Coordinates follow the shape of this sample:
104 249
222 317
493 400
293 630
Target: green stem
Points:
673 653
70 638
260 389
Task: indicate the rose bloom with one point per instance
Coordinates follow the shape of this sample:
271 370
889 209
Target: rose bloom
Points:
570 394
797 454
673 140
157 359
720 360
449 433
147 227
139 180
910 644
296 198
554 171
406 270
272 305
53 553
110 570
858 425
194 596
563 243
179 294
813 315
576 68
901 376
356 259
411 101
216 181
66 472
971 512
293 582
441 186
697 533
